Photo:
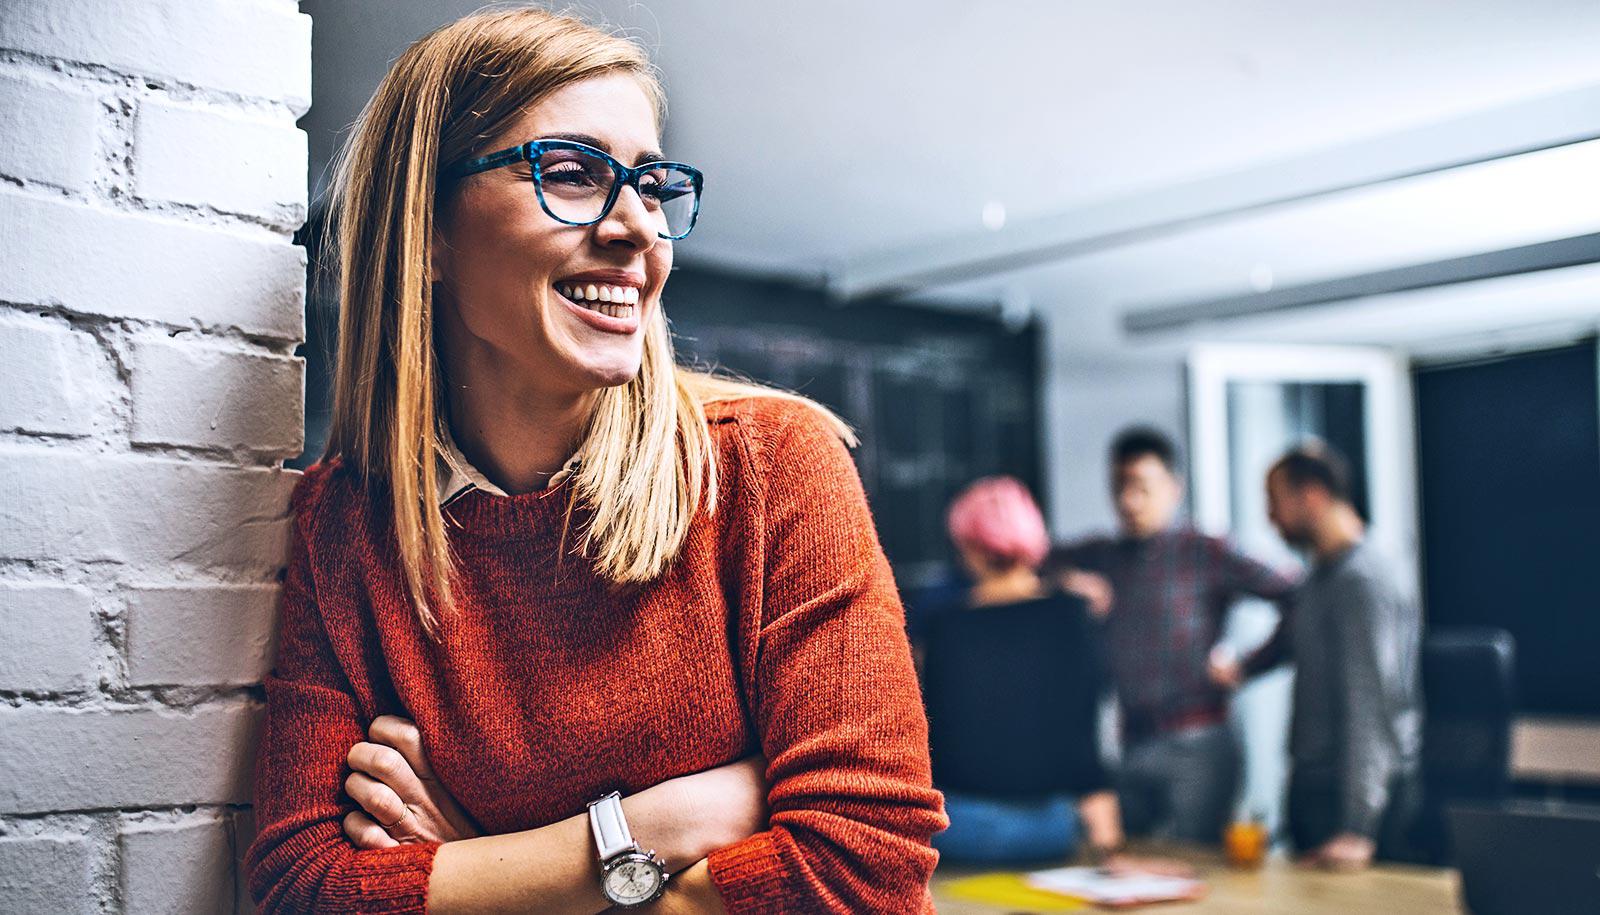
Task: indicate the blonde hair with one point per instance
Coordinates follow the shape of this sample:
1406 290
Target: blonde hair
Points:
649 458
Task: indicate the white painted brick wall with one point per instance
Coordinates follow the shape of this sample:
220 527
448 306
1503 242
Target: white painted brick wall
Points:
55 378
153 267
49 643
157 513
212 157
61 124
151 298
194 635
254 49
172 868
56 758
239 398
46 875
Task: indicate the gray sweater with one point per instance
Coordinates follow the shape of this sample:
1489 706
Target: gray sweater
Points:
1355 640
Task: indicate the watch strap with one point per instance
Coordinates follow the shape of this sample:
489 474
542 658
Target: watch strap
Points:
610 828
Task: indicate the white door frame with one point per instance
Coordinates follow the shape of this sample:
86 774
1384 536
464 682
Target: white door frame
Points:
1390 430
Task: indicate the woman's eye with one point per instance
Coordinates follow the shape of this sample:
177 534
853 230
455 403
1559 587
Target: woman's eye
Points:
664 192
569 174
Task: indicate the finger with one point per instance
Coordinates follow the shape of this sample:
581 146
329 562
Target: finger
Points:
402 734
387 765
1167 868
365 832
380 802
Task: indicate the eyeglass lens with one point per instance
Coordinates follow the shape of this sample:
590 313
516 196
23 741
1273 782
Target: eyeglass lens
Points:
576 186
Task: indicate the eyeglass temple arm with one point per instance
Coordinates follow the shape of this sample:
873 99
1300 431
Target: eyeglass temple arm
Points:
485 163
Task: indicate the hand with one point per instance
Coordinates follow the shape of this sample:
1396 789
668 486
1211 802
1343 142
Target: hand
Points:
1346 851
1224 669
1093 588
1122 864
401 800
690 893
689 817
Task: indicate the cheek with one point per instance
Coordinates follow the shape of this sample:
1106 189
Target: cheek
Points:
507 242
658 264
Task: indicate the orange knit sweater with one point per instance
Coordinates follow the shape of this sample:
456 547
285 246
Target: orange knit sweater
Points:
777 630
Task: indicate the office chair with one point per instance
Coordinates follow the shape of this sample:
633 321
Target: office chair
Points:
1468 699
1012 697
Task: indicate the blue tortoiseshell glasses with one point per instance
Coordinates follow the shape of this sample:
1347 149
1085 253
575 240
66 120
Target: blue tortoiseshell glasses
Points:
578 184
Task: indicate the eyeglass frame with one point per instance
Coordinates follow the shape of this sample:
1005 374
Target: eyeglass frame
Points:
626 175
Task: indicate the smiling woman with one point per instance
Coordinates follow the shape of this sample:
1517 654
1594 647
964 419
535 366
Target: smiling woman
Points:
553 599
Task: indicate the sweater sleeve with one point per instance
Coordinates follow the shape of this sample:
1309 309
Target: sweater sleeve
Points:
1366 642
300 860
1242 575
837 705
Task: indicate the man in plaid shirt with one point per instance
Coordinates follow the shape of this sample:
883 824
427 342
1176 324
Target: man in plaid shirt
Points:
1163 591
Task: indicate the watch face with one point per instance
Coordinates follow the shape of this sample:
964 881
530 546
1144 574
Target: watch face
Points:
632 880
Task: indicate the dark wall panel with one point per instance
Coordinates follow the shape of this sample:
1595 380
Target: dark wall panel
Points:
1510 471
939 398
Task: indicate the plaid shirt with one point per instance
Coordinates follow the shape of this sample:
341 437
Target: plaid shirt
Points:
1171 595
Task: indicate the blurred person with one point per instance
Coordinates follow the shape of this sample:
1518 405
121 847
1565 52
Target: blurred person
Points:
1354 638
546 587
1163 591
999 533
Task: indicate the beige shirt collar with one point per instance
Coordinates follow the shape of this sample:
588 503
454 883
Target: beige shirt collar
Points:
460 477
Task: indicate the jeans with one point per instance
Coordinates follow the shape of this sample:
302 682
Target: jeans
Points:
1182 785
989 830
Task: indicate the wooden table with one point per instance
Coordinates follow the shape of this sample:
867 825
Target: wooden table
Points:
1278 888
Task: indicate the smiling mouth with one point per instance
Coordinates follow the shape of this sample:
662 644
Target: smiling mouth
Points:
611 301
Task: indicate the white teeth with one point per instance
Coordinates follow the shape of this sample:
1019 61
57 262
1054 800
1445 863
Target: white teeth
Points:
616 301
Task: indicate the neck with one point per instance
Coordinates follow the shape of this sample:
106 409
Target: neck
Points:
1338 531
516 433
1007 587
1146 534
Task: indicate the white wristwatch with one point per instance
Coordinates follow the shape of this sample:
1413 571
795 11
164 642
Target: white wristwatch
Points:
628 877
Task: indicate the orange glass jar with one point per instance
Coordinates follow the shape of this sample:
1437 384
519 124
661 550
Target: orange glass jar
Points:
1246 843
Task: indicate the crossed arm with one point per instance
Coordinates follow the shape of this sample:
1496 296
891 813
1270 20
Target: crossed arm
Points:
684 819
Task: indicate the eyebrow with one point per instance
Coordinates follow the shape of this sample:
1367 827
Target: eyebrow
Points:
597 143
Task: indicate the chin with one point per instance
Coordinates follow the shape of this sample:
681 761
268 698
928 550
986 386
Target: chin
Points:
610 376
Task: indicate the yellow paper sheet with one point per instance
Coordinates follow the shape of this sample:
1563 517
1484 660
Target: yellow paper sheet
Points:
1011 891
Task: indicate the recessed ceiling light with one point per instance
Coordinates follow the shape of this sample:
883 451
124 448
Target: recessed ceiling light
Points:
1261 278
994 215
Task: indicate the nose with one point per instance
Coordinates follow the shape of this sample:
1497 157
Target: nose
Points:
628 224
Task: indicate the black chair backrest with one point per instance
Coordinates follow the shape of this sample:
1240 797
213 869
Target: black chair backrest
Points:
1469 698
1468 701
1013 697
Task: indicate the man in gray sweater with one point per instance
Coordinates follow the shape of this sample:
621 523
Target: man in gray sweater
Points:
1354 637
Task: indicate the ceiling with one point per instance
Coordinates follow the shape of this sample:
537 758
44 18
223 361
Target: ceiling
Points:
833 132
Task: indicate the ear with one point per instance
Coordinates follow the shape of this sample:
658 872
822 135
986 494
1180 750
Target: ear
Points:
438 255
1317 498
